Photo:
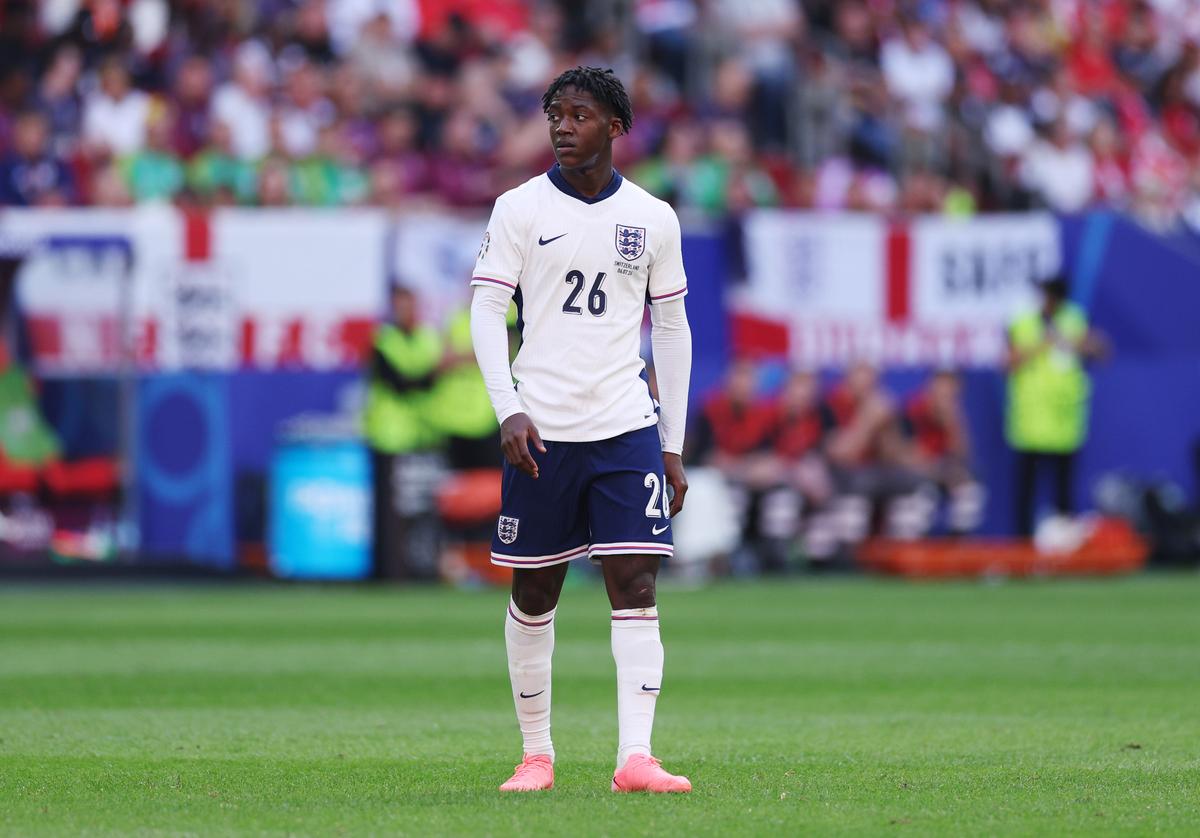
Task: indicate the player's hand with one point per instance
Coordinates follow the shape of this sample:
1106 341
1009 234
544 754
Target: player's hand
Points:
673 471
517 432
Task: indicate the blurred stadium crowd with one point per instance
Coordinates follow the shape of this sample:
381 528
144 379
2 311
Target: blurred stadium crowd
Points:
952 106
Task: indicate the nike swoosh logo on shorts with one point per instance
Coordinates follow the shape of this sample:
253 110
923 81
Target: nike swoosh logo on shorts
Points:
650 689
535 695
547 241
657 531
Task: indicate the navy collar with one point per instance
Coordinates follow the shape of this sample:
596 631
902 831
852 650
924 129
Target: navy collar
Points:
556 177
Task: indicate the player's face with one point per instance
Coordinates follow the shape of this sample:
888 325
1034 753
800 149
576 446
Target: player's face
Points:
580 128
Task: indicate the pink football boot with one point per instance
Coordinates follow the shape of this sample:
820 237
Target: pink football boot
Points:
535 773
645 773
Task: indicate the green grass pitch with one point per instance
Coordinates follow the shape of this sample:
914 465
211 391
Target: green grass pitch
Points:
810 706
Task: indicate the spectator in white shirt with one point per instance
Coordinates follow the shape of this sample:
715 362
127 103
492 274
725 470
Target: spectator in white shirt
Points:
919 74
1008 130
767 34
114 115
306 110
382 62
1060 169
242 104
1059 100
347 18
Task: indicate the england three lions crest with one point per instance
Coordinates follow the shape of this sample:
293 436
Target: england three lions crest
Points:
507 529
631 242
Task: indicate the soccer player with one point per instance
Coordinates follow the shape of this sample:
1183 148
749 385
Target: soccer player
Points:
593 465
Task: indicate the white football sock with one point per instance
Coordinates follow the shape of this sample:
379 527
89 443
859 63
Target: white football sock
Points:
530 643
638 652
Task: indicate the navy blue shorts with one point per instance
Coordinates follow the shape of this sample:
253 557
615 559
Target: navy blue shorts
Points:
595 499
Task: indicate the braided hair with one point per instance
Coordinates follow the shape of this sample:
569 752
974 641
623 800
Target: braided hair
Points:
601 85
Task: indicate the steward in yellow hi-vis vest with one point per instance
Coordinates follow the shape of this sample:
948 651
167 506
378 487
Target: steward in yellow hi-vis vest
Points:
1048 392
1048 395
404 360
402 439
460 408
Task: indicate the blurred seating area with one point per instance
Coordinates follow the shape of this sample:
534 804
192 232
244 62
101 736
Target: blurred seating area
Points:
813 468
920 106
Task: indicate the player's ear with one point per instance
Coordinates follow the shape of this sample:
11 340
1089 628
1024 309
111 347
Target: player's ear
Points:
615 128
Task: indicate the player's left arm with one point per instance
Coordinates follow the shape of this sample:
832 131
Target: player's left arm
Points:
671 342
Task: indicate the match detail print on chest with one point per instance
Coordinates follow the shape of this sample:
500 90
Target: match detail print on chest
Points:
629 241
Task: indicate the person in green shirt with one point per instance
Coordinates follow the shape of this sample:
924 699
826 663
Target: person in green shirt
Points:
725 178
1048 395
329 177
154 173
218 176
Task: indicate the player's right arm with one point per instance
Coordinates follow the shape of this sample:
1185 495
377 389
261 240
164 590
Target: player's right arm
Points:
495 278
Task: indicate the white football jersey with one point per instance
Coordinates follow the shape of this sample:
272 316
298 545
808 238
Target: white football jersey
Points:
581 271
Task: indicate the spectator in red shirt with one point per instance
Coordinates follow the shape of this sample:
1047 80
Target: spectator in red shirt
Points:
867 457
495 17
940 451
802 422
734 435
801 419
865 419
1181 115
1091 67
735 422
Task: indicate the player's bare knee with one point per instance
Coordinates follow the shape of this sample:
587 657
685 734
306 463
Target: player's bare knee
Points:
638 591
536 592
535 601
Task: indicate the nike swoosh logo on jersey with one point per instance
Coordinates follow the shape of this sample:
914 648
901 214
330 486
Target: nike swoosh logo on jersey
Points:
535 695
658 531
547 241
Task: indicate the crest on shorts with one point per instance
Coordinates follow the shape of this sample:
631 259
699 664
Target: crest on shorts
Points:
507 529
631 241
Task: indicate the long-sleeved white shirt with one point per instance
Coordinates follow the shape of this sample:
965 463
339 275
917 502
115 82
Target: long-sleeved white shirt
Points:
581 271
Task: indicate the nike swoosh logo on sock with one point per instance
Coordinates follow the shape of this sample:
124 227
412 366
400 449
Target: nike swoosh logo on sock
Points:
658 531
547 241
650 689
535 695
